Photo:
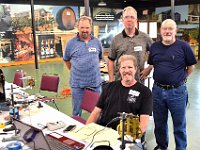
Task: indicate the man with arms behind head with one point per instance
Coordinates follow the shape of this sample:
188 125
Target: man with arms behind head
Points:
82 55
125 95
173 61
130 41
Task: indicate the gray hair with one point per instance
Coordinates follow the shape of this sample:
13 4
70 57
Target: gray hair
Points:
127 57
85 18
129 8
169 20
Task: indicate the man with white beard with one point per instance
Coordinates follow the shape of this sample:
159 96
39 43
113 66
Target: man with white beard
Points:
173 61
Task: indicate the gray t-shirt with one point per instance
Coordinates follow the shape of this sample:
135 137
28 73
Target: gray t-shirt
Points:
138 46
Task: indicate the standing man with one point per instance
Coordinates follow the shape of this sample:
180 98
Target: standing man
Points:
81 56
129 41
173 61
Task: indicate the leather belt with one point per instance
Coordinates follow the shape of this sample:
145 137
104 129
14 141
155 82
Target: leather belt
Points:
168 87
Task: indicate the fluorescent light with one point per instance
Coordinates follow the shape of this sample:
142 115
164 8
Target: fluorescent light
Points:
102 4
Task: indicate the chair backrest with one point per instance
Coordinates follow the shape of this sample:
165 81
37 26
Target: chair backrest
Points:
49 83
18 78
89 101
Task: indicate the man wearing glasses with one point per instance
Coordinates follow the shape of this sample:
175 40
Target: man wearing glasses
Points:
130 41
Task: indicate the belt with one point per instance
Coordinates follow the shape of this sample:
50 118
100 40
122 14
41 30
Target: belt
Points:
168 87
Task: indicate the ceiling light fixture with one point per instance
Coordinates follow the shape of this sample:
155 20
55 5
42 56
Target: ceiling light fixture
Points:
102 3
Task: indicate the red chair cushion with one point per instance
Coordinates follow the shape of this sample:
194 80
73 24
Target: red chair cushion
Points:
49 83
79 119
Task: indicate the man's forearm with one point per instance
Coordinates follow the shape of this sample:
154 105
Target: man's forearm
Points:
189 69
94 116
111 70
144 120
68 64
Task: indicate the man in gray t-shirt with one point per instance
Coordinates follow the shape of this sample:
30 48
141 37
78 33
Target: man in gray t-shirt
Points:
129 41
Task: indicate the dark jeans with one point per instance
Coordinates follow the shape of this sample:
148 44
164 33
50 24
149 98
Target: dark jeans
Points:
173 100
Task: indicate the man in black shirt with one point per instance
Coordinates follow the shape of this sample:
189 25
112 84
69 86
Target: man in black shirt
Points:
127 95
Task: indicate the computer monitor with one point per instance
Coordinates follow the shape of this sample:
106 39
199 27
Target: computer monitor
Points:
33 137
2 88
2 93
3 102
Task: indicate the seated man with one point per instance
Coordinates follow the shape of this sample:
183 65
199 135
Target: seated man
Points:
127 95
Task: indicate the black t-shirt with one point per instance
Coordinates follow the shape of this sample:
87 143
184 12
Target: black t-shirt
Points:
116 98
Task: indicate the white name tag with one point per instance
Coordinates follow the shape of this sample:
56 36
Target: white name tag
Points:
92 49
134 93
138 48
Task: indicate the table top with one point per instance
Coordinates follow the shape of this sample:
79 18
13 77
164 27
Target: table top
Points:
39 117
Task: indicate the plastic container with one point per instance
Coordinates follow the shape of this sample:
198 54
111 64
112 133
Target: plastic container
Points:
16 113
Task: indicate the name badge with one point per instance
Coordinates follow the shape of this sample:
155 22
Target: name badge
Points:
138 48
92 49
134 93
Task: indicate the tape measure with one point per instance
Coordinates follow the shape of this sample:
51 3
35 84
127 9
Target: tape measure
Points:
14 146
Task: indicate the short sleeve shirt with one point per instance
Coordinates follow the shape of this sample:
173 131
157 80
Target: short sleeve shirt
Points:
137 46
170 61
116 98
84 58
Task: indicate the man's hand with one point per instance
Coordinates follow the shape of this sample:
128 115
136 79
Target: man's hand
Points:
144 73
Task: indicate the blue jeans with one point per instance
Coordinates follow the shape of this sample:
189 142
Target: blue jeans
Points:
77 96
175 101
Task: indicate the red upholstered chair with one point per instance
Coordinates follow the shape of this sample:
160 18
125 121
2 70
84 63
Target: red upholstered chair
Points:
49 83
89 101
18 78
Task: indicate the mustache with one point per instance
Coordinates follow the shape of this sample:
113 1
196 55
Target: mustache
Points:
127 73
85 33
167 34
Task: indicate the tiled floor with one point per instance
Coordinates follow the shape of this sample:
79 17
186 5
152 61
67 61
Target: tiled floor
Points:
64 104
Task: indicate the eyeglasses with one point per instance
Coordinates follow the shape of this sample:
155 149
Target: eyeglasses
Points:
167 28
129 17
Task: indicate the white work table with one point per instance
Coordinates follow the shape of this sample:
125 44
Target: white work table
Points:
83 133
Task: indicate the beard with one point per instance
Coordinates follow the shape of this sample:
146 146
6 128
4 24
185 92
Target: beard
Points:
128 81
127 77
167 38
85 35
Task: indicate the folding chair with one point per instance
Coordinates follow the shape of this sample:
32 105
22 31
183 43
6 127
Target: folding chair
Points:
18 78
89 101
49 83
